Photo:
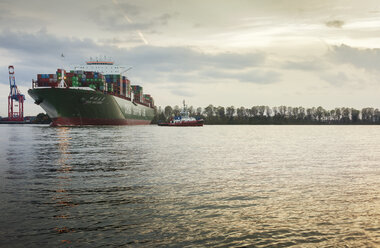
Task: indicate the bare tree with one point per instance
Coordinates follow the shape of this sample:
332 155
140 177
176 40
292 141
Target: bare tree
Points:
209 111
221 112
261 110
176 110
168 111
268 111
254 111
240 112
230 111
199 111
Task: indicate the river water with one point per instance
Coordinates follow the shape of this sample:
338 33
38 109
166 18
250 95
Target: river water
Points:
211 186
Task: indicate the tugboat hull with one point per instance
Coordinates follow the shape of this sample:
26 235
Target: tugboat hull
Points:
198 123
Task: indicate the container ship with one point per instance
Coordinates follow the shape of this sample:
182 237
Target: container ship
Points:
94 94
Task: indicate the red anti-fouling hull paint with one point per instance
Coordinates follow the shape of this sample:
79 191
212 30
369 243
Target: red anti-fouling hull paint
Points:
61 121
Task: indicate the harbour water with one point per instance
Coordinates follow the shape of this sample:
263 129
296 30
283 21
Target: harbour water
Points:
214 186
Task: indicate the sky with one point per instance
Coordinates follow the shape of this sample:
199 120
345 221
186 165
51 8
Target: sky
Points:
226 53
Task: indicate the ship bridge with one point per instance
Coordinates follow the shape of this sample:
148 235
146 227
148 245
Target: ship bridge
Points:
103 66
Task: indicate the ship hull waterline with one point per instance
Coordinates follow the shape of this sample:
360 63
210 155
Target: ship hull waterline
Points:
79 107
182 124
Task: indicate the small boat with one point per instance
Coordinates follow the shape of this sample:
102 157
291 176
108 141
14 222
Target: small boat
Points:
183 120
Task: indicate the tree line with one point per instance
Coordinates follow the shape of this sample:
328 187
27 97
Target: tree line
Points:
274 115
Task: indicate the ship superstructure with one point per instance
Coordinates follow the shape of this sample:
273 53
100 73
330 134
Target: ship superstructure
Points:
101 65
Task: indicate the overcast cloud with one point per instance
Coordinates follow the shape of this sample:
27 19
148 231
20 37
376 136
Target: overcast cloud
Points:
239 53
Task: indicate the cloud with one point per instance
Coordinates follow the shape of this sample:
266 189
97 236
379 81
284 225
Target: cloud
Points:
255 76
335 78
120 41
41 42
259 77
348 77
368 59
40 53
184 64
130 9
341 65
3 14
313 64
165 18
188 59
127 17
335 24
182 92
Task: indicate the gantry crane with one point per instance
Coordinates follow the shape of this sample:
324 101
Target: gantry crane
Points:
15 97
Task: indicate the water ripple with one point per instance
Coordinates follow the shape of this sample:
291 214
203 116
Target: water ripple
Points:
216 186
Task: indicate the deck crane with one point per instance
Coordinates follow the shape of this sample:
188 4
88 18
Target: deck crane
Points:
15 97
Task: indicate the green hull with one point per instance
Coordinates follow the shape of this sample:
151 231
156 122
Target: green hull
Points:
72 107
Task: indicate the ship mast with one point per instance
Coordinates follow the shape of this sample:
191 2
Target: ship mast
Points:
62 83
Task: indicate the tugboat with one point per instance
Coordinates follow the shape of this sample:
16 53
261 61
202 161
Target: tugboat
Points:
183 120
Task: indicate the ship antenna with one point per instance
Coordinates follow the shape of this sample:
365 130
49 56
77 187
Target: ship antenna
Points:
126 70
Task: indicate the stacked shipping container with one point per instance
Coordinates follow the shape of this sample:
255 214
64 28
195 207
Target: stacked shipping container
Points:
137 93
126 84
47 80
113 83
148 99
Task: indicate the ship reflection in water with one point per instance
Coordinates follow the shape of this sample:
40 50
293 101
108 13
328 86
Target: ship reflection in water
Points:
259 186
62 199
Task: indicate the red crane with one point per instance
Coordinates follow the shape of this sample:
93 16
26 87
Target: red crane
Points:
15 99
